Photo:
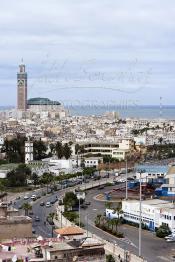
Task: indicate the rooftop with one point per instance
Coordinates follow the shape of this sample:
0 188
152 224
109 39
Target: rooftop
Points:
69 231
42 101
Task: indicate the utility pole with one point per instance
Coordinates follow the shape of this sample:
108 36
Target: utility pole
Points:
140 211
87 224
126 179
79 211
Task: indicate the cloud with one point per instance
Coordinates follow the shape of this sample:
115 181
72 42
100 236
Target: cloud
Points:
95 38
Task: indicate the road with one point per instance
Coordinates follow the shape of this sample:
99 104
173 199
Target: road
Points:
153 248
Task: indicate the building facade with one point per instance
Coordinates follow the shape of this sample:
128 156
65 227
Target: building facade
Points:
155 212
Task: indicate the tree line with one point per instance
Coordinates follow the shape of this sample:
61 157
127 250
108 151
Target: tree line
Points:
15 150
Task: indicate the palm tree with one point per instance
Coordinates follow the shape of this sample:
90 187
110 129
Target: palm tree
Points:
108 205
98 219
26 207
46 179
118 210
112 224
59 150
51 216
116 223
67 151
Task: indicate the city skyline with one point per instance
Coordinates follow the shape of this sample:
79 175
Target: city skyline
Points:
76 51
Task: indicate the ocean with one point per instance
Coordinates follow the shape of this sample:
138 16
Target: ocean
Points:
150 112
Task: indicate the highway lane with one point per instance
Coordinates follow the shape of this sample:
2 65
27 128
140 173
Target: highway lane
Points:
40 227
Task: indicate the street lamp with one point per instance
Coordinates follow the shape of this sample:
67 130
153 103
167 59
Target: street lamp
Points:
126 179
79 210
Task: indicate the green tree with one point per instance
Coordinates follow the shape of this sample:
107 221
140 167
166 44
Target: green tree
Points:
70 200
59 150
26 207
163 231
15 149
67 151
118 210
35 178
108 205
110 258
47 179
18 176
98 219
39 150
52 148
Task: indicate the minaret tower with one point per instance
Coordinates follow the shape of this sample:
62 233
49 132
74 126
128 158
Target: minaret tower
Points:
22 88
28 151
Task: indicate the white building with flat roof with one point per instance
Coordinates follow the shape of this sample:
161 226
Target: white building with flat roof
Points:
155 212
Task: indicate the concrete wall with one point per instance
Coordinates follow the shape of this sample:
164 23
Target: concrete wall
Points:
15 229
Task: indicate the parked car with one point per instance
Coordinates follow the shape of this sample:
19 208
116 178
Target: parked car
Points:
42 204
87 203
20 207
37 219
26 197
83 206
18 197
48 204
33 231
33 197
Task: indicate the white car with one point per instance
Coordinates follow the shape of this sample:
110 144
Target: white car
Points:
48 204
33 197
26 197
172 239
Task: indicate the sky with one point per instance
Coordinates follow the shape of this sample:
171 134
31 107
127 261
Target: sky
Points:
95 51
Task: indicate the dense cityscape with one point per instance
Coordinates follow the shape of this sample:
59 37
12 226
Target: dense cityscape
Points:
87 187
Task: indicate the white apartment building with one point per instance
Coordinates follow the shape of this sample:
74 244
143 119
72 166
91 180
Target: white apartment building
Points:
92 161
155 212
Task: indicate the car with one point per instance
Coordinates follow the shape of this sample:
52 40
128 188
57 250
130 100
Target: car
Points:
87 203
33 231
170 239
42 204
53 201
30 213
26 197
20 207
33 197
83 206
48 204
37 219
18 197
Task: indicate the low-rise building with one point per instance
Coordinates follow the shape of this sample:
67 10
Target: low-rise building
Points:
154 213
93 161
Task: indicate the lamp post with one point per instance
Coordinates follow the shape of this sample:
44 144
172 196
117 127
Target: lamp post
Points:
126 179
79 210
